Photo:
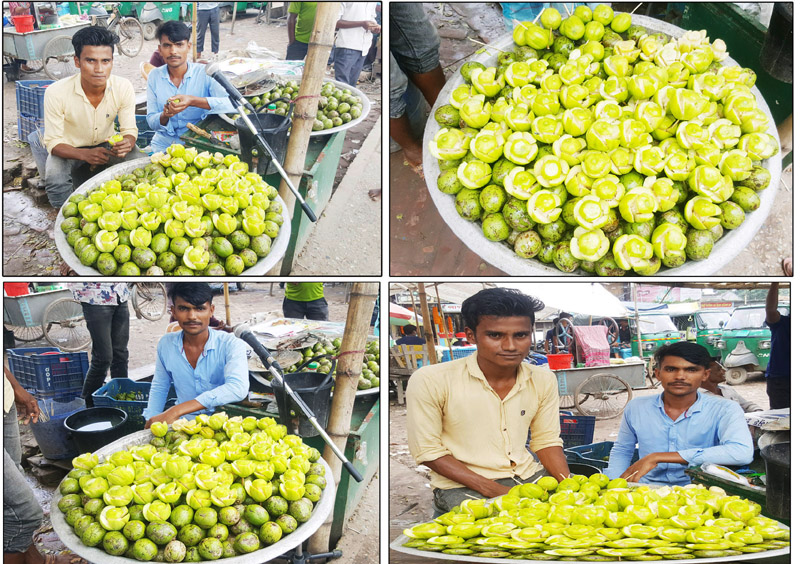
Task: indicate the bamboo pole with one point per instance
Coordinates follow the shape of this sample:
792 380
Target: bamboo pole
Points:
194 32
446 328
638 325
348 370
226 291
233 19
414 309
430 340
305 109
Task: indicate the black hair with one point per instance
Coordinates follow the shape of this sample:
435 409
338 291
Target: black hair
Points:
94 36
196 293
409 329
174 30
690 352
500 302
565 315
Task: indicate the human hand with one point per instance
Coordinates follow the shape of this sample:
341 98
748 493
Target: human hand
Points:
122 148
640 468
176 104
493 489
168 417
374 27
27 407
97 155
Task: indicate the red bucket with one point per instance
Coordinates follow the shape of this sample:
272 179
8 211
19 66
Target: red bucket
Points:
23 24
14 289
559 361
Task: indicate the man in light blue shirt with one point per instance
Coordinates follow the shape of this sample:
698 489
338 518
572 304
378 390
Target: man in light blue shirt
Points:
179 92
679 427
208 368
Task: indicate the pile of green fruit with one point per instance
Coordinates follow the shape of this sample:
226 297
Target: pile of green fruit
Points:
370 367
130 396
585 150
208 488
597 519
185 213
337 106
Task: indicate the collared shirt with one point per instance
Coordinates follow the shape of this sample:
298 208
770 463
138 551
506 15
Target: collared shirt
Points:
780 356
713 430
195 83
100 293
219 378
70 118
729 393
356 38
453 410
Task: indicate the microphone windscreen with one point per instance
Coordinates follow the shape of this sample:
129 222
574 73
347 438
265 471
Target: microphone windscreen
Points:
212 68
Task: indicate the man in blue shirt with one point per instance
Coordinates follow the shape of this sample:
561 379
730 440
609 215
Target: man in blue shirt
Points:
410 336
180 92
679 427
208 368
779 367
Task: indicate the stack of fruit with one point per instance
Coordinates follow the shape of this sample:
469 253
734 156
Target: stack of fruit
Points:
129 396
208 488
597 519
183 214
584 149
370 367
337 106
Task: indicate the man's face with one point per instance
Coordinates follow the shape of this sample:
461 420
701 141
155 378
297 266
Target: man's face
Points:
95 63
680 377
192 319
174 53
502 341
716 373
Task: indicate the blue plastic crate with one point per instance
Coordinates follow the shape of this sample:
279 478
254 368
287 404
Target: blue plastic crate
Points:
27 125
576 430
458 352
57 375
595 454
30 97
134 408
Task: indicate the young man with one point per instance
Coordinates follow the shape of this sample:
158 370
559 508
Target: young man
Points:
208 17
208 368
779 367
356 25
299 26
469 419
410 336
679 427
79 114
180 92
715 385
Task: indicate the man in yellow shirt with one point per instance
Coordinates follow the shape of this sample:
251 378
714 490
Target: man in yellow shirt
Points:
79 114
469 419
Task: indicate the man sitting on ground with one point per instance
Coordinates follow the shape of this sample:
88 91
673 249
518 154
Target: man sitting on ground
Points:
469 420
679 427
207 368
79 114
410 336
715 385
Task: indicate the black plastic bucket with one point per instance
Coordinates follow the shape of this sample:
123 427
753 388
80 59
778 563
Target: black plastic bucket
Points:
583 469
314 389
778 458
90 440
275 129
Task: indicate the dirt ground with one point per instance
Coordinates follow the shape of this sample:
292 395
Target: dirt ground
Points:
357 542
29 247
410 495
422 244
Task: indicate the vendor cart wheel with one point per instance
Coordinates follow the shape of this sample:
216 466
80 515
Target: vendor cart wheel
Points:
735 376
603 396
565 335
26 334
65 327
225 13
33 67
131 37
613 329
58 58
149 30
150 300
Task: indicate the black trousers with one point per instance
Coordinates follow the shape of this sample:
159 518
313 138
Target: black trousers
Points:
109 327
316 310
778 392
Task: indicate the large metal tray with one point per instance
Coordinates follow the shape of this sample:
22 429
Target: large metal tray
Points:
504 258
264 265
97 556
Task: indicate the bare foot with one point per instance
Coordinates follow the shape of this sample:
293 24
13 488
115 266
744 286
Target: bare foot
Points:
374 194
413 155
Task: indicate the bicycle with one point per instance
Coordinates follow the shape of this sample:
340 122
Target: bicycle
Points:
129 30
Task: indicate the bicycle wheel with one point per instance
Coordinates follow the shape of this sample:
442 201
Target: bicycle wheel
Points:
602 395
58 58
150 300
65 327
26 334
32 67
131 37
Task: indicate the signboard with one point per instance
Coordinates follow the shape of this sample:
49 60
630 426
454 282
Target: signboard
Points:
720 305
451 308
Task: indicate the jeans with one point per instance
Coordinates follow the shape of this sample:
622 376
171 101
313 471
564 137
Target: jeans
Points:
296 51
413 40
22 514
62 176
347 65
204 19
445 500
108 326
778 391
316 310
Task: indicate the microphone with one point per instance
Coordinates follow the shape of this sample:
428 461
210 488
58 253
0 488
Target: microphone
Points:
242 332
214 72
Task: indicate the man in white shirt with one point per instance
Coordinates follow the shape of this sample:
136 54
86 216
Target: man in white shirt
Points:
356 25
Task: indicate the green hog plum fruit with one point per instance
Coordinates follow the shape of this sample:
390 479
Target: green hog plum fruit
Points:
210 548
144 550
699 244
246 543
115 543
175 551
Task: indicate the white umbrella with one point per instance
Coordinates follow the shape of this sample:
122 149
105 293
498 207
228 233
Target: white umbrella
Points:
575 297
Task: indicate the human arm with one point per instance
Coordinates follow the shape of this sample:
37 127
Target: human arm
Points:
554 461
621 453
27 406
773 315
545 430
159 388
366 24
126 114
635 471
155 110
452 469
290 25
54 113
175 412
95 156
735 443
236 377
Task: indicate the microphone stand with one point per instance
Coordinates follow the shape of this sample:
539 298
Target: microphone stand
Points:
267 151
